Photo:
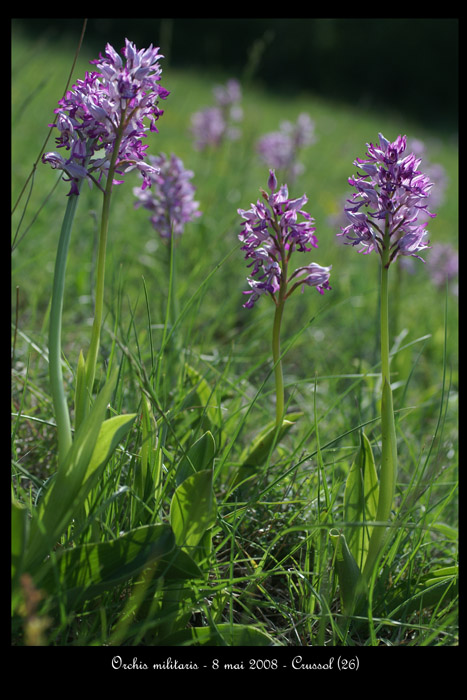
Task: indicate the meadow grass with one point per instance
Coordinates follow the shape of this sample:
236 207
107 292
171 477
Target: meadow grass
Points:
270 560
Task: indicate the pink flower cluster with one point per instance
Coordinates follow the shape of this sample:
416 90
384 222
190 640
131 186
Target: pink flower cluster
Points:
280 149
272 230
108 109
391 199
171 197
212 125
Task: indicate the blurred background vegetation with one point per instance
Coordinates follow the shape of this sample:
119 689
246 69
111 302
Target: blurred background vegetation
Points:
405 65
354 78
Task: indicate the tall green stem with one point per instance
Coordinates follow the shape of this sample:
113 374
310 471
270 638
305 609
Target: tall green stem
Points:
169 340
276 329
91 359
388 472
276 356
385 370
62 416
172 306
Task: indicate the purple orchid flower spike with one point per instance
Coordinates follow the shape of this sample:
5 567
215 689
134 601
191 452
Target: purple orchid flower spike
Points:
280 149
273 229
171 197
390 202
106 109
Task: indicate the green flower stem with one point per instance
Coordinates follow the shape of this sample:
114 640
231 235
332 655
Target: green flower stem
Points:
276 356
388 472
169 340
385 369
276 329
91 359
172 305
62 416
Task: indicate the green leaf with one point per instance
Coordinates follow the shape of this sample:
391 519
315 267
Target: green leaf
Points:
361 501
110 435
149 467
223 634
256 454
93 446
437 586
208 398
451 533
87 570
387 480
444 572
19 535
178 566
193 509
80 391
388 473
350 578
198 457
437 590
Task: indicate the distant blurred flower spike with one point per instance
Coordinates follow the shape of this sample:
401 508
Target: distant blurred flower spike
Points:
171 197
